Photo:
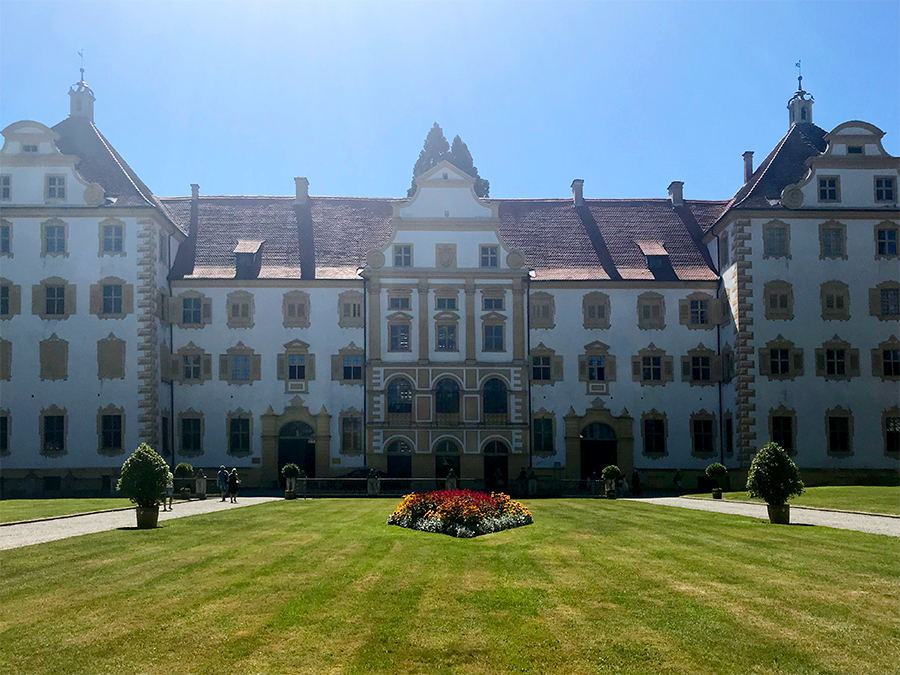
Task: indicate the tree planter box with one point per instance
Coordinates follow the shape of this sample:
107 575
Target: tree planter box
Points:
780 515
147 517
290 494
717 494
610 494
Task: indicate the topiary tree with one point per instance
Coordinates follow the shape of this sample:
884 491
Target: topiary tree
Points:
773 476
144 477
612 472
290 471
183 470
717 472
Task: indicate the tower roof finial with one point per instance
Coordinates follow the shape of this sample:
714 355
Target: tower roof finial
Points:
799 77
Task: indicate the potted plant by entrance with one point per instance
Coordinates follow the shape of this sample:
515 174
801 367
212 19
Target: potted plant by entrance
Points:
717 472
143 481
290 473
183 473
774 477
610 475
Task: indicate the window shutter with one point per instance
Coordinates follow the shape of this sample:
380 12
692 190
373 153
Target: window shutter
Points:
820 362
164 362
95 299
556 368
877 363
715 312
223 367
668 368
15 299
797 358
765 361
716 368
127 298
175 313
310 366
70 299
610 368
684 312
636 368
175 371
255 367
854 362
207 311
874 302
685 368
337 367
582 368
281 366
38 302
207 366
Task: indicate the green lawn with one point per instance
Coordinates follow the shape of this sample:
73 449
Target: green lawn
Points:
28 509
324 586
868 498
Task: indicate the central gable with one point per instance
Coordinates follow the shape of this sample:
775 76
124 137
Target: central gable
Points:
444 192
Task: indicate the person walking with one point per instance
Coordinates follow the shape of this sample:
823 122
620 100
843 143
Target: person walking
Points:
233 482
170 491
223 481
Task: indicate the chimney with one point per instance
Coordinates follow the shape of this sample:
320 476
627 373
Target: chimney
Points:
302 185
578 191
195 192
748 166
676 192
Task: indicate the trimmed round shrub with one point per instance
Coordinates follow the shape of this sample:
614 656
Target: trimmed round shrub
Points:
144 477
612 472
773 476
290 470
717 472
184 470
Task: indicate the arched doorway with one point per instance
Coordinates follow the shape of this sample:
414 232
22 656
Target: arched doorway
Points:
297 445
399 459
598 448
496 466
446 457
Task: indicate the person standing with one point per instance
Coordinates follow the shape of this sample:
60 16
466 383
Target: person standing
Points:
676 480
223 481
170 491
233 482
635 483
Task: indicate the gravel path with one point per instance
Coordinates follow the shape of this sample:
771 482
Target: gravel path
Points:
799 516
26 534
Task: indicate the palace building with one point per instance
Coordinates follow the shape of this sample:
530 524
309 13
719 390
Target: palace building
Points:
415 335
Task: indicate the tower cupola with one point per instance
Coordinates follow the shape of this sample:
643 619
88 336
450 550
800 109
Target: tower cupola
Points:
81 99
800 107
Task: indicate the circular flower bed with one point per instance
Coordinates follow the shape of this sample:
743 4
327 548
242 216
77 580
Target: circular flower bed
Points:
460 513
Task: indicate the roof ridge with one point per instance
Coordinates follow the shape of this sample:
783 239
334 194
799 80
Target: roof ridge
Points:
774 154
114 154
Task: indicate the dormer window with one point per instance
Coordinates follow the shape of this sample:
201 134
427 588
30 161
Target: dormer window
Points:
655 262
855 150
247 259
446 175
29 148
656 254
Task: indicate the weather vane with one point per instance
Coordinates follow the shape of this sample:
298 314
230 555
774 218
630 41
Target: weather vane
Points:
799 77
81 54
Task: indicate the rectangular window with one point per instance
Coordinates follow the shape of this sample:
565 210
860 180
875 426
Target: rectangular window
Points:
839 434
855 150
540 368
5 239
352 310
296 366
112 299
446 338
191 365
56 300
596 312
729 435
240 310
596 368
6 187
55 239
891 362
834 301
775 242
399 339
700 369
543 435
240 367
832 242
190 434
703 437
490 256
29 148
778 301
887 242
352 367
54 433
402 255
650 311
297 310
835 361
4 300
891 434
492 304
828 188
885 189
654 437
651 368
56 187
191 311
238 435
445 303
111 429
699 312
113 238
398 302
779 361
493 338
890 302
783 432
351 435
4 435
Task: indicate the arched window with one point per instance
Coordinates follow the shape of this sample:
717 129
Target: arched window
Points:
496 448
598 432
446 396
494 401
446 446
399 447
399 396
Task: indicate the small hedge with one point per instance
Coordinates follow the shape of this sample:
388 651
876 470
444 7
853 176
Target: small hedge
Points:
144 477
717 472
460 513
773 476
183 470
290 471
612 472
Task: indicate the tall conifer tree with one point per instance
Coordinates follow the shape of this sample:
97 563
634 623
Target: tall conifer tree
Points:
437 150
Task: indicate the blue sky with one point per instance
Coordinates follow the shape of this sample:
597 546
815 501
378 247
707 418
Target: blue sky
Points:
241 97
